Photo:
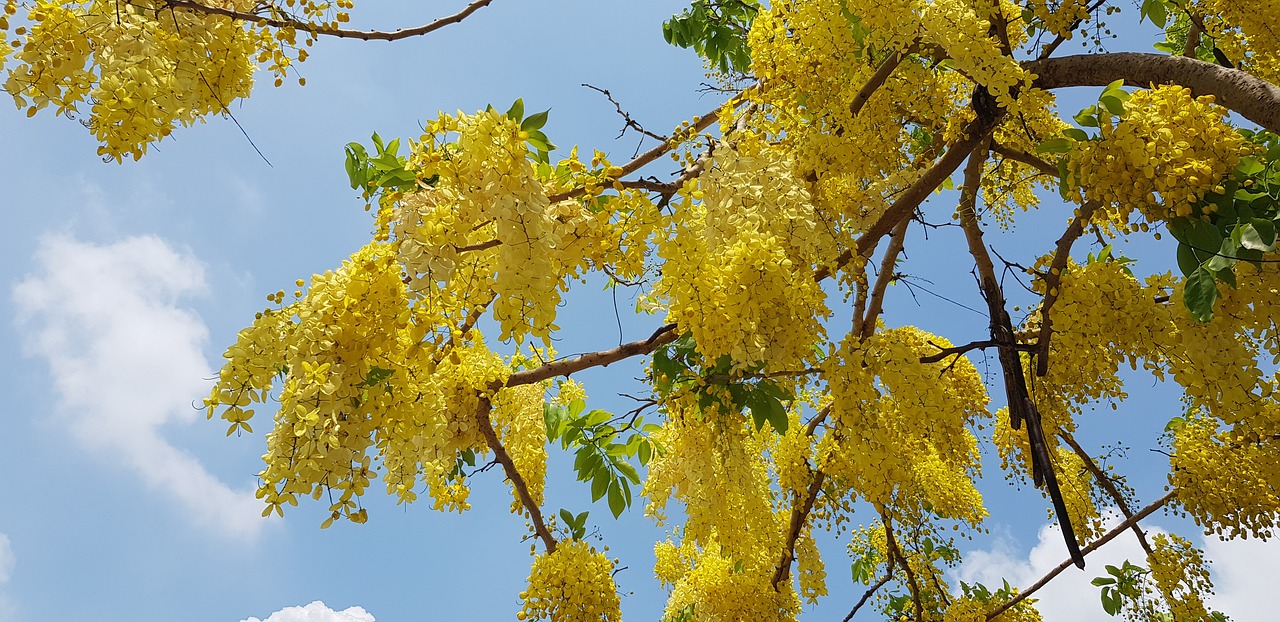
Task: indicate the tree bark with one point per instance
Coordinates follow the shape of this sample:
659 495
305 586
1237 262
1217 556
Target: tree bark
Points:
1252 98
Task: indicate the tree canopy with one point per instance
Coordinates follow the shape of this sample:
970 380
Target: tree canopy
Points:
781 399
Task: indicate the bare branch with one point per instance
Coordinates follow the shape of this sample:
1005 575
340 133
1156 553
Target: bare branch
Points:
367 35
887 265
513 474
1105 481
603 358
1109 536
626 117
1021 407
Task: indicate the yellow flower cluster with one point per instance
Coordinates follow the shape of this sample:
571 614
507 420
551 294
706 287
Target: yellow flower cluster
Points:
902 426
714 464
572 584
355 376
1166 153
145 67
1227 481
485 180
1181 576
1059 17
517 417
1225 457
1245 31
956 28
739 264
812 65
717 586
487 228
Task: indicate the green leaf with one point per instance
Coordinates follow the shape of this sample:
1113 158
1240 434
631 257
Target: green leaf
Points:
1199 293
377 376
553 417
645 453
535 121
599 485
1055 145
1113 104
1087 117
516 111
629 471
1259 235
1076 134
567 517
617 503
1100 581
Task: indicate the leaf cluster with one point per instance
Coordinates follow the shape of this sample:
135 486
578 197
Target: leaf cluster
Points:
602 447
716 30
679 365
1235 222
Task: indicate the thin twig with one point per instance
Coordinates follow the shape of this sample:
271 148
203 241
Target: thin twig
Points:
319 29
626 117
1107 485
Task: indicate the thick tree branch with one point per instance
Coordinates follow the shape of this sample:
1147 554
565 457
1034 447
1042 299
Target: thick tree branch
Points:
513 474
1021 407
887 265
799 515
1254 99
367 35
878 79
914 195
1109 536
603 358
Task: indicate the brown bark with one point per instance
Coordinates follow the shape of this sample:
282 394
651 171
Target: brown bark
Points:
1252 98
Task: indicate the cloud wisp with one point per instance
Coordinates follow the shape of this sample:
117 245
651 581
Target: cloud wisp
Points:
127 359
317 612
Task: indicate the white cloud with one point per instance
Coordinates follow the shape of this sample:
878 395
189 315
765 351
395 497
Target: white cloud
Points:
126 359
317 612
1244 577
7 558
1070 596
1244 572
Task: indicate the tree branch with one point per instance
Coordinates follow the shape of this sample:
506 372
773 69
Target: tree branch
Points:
1109 536
603 358
914 195
1031 160
878 78
1254 99
799 514
896 241
1107 485
317 29
517 480
1054 277
1021 407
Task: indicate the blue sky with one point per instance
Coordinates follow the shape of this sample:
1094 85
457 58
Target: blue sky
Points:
121 285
